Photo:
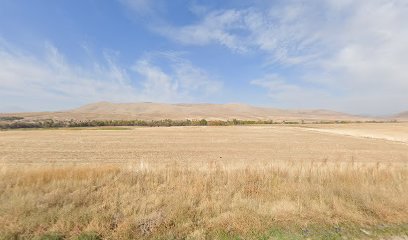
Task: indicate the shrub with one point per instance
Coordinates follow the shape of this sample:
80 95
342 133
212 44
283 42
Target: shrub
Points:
52 236
89 236
203 122
11 118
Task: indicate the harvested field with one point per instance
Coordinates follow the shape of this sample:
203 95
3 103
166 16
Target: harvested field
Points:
251 182
397 132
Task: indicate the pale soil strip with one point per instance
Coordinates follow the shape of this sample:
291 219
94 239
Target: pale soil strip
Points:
396 238
361 134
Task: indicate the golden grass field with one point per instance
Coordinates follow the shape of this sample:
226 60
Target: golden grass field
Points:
238 182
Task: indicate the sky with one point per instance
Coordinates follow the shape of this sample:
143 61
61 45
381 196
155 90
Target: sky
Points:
343 55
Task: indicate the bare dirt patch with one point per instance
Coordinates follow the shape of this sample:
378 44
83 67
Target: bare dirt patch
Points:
397 132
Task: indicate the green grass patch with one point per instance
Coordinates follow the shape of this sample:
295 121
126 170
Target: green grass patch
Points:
89 236
51 236
10 118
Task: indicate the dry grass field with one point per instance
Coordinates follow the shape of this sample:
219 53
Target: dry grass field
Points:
397 132
241 182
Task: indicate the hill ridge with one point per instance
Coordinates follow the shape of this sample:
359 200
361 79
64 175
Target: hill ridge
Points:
402 115
181 111
154 110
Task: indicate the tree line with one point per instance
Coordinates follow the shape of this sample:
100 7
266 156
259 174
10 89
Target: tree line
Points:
14 123
143 123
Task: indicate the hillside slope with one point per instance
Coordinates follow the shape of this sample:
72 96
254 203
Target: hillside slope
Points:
402 116
158 111
207 111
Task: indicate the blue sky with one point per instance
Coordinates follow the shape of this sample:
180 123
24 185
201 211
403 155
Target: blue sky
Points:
345 55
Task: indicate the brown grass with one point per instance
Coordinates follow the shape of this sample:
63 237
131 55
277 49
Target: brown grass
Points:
138 202
397 132
180 198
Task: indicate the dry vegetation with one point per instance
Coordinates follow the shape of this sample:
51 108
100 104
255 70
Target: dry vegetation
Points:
274 182
397 132
159 111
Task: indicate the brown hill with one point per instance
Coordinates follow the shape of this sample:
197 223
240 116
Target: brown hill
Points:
402 116
158 111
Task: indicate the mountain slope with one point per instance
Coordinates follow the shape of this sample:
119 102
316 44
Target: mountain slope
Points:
159 111
207 111
402 116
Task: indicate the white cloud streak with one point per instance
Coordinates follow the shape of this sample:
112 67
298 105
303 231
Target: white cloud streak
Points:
292 95
355 50
216 27
49 82
184 82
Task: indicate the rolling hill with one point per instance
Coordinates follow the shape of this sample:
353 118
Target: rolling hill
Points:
158 111
402 116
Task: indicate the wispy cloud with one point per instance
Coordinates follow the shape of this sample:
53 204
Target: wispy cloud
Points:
344 55
182 81
293 95
216 27
355 50
276 32
50 82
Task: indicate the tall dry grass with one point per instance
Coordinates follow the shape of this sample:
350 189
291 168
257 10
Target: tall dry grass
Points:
142 201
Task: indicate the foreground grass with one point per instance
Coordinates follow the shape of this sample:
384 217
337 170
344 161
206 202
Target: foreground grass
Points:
281 201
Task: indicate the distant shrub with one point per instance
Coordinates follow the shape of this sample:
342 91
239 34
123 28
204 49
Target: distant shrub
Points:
50 123
217 123
11 118
20 125
290 122
203 122
89 236
52 236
